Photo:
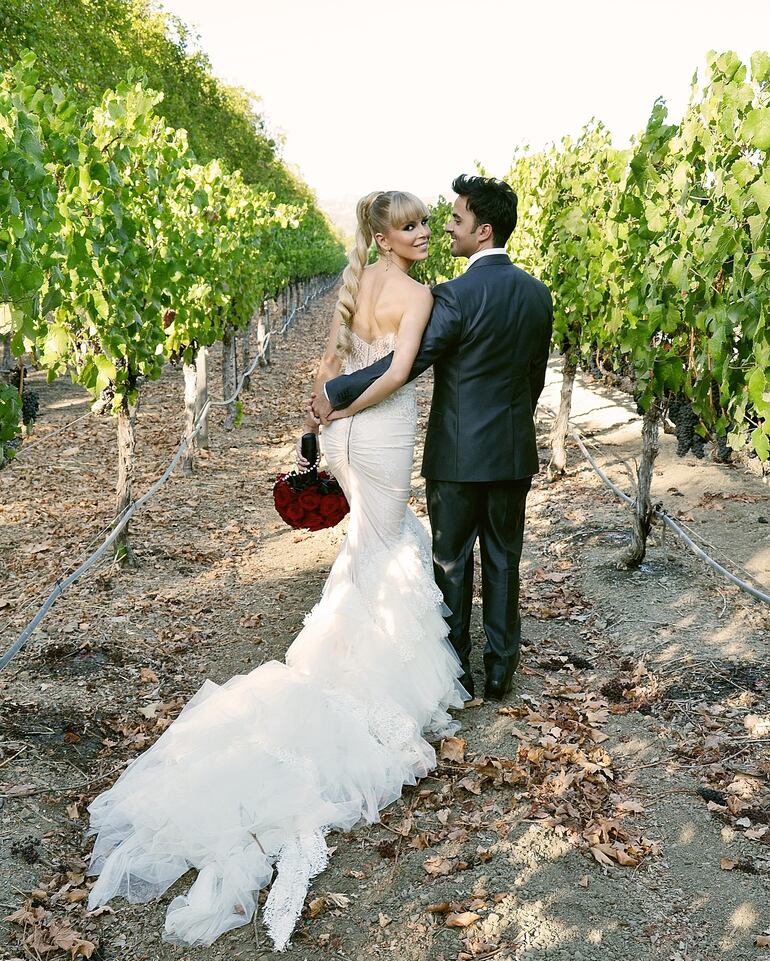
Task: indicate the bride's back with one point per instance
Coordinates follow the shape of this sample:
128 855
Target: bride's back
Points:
383 297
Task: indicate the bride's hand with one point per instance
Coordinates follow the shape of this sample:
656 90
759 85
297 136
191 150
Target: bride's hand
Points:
302 462
338 415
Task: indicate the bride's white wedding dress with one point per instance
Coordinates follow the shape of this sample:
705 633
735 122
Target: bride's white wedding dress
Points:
247 781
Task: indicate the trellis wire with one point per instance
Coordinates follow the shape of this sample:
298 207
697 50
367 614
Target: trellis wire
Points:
673 526
121 520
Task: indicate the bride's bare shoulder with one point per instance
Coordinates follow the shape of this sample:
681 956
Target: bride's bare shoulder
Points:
412 290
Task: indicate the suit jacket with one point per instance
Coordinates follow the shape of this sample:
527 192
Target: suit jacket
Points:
488 339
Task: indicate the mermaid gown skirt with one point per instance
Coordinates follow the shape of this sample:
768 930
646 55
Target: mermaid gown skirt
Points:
252 775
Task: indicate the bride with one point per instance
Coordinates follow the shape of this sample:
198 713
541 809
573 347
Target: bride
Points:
248 780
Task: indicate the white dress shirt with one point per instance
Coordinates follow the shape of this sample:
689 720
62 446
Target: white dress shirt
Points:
487 252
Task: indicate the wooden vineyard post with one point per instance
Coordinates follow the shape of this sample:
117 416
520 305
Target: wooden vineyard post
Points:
190 404
285 324
202 395
263 330
229 375
246 354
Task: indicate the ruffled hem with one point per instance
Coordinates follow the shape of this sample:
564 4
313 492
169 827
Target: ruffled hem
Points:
247 781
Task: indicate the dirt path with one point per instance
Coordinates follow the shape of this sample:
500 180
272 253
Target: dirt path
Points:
569 823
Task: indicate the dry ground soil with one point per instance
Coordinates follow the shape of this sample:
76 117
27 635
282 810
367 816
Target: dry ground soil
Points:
616 807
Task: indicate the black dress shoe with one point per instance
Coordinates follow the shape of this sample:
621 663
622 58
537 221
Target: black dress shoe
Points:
499 679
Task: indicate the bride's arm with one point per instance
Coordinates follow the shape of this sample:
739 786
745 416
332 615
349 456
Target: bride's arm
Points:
329 367
410 331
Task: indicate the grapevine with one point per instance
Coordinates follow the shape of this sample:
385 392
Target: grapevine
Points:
130 252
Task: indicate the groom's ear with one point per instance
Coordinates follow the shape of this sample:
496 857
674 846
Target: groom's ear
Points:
483 232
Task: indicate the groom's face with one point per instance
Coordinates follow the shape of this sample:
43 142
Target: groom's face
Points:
462 229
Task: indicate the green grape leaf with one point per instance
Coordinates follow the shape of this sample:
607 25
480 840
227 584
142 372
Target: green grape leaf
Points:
761 443
756 128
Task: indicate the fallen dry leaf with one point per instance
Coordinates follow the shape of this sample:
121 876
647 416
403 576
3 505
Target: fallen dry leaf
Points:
438 866
443 907
462 920
757 726
316 906
452 749
68 940
470 784
150 710
338 900
601 856
755 834
76 895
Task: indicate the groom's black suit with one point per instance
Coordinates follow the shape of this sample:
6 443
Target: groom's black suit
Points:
488 341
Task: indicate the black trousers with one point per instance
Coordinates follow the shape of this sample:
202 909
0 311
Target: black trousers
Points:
492 512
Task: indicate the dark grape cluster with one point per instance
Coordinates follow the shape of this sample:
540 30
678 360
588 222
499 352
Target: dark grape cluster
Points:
698 443
30 404
592 368
681 414
722 453
685 420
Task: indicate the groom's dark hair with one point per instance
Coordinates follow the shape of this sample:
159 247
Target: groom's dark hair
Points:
492 202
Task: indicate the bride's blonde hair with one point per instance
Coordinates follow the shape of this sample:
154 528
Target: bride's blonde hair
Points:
376 213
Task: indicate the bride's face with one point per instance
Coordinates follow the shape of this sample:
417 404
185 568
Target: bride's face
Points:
409 243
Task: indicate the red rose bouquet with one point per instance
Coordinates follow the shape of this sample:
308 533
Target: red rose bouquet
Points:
310 498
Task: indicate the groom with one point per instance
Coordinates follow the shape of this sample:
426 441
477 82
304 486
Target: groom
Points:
488 340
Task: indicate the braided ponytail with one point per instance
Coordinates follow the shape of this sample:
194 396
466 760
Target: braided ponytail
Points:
351 277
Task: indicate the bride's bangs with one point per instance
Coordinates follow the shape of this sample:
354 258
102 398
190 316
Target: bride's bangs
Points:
406 209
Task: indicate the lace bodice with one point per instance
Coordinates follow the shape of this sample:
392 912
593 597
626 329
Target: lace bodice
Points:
363 353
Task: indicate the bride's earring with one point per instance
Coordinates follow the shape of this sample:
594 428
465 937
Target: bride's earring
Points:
387 260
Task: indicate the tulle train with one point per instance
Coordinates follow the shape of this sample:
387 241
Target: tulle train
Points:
251 776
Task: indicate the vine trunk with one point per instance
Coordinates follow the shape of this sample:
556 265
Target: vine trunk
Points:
124 554
558 462
643 509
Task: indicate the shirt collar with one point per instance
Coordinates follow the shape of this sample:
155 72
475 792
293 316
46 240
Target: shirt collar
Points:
485 253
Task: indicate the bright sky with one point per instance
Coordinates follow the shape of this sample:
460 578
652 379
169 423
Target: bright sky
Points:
405 94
